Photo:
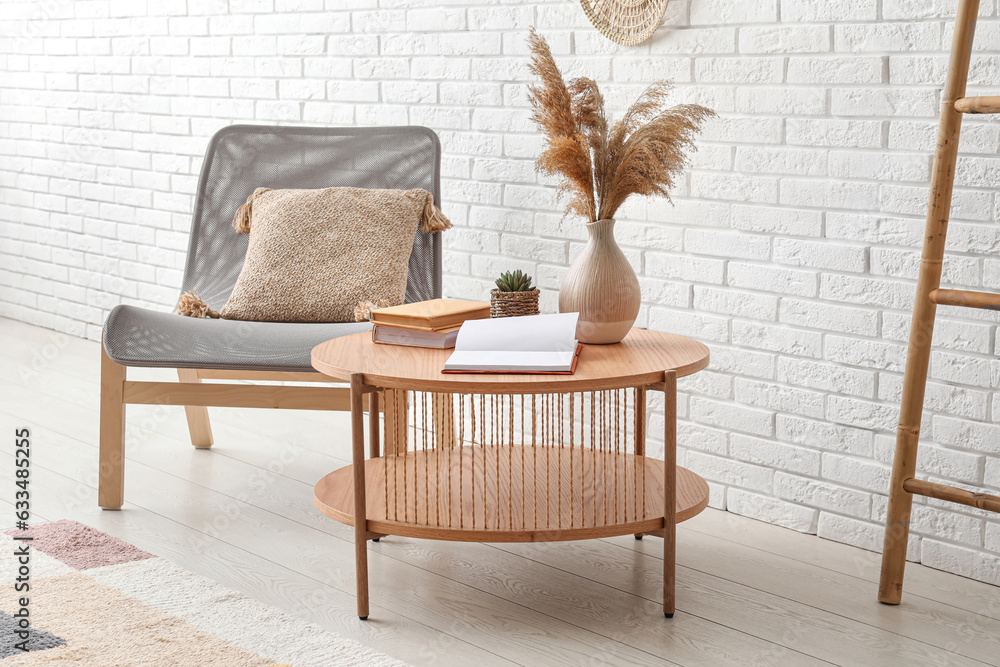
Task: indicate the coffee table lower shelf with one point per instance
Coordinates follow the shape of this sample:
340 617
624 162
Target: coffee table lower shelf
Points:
511 493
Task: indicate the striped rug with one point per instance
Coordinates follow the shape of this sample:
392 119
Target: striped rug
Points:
98 601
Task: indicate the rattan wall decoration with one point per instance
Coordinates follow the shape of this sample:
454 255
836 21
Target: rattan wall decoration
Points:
627 22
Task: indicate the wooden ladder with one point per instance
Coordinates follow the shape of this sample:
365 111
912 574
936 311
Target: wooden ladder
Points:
929 295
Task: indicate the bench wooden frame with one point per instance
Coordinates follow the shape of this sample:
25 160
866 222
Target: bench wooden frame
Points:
196 396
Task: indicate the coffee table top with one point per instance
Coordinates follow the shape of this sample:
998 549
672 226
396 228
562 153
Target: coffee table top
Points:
638 360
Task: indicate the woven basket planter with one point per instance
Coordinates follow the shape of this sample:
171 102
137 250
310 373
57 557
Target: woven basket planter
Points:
513 304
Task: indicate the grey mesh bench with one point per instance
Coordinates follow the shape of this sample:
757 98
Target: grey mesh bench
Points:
240 159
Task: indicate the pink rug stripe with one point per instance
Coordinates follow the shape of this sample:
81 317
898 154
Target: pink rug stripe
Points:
81 547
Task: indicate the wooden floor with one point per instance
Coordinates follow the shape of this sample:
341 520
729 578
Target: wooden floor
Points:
242 514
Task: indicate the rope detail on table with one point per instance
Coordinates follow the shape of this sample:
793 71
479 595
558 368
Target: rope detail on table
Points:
477 461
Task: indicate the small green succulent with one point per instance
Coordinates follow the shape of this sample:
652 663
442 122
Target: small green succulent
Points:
514 281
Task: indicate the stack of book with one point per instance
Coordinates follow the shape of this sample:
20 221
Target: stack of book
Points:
432 323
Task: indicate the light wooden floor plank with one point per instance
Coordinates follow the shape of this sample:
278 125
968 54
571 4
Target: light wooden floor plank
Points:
721 645
300 595
813 631
973 596
940 625
8 520
484 620
724 639
613 614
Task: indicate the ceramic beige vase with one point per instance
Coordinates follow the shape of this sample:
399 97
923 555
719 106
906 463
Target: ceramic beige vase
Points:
602 287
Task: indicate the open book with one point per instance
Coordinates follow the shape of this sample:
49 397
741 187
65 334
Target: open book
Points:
530 344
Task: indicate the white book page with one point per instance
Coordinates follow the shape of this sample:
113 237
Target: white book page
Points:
533 333
536 343
500 361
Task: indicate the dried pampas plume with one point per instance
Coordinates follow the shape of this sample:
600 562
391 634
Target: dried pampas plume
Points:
192 305
600 165
363 311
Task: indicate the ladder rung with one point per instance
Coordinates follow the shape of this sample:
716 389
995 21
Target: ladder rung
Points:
978 105
983 501
954 297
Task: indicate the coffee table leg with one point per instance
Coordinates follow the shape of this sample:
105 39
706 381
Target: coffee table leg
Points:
374 446
669 493
640 429
360 513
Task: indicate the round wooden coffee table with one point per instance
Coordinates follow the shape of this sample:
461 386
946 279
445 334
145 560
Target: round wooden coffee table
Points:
510 457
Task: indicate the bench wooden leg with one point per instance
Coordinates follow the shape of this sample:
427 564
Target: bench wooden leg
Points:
111 472
197 417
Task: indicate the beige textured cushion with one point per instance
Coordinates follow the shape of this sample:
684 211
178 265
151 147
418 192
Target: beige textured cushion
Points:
314 254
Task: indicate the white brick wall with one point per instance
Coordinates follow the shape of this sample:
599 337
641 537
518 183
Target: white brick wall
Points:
791 248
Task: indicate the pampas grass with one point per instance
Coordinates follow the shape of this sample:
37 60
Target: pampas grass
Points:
601 164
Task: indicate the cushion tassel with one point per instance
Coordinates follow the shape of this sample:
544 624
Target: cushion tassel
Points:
363 311
241 221
434 219
192 305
